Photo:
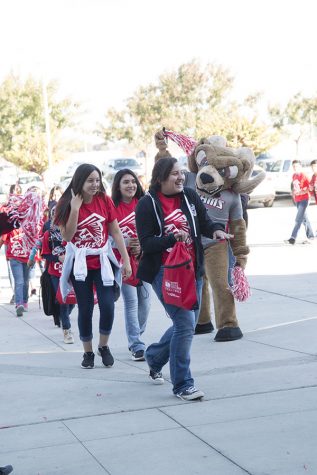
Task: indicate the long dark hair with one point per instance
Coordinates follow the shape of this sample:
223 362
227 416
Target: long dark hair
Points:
53 191
77 182
161 171
115 189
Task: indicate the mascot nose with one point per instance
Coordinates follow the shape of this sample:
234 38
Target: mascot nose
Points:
205 178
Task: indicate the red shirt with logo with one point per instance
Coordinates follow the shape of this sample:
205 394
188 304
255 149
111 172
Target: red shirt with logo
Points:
313 186
92 226
175 220
300 184
126 221
16 248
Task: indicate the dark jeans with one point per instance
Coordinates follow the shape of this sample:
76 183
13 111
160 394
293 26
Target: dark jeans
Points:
64 309
302 218
85 301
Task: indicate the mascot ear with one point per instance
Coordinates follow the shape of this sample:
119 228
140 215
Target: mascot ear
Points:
247 184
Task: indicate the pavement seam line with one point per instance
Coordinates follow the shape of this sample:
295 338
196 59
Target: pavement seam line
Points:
205 442
281 348
86 448
161 407
283 295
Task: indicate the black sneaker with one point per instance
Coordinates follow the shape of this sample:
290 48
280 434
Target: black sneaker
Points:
290 241
6 470
107 358
156 378
138 355
88 361
190 394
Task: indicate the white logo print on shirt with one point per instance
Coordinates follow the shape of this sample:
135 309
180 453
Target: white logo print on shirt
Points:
127 225
176 221
90 232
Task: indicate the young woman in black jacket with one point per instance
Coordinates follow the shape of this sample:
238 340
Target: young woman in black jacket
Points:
167 214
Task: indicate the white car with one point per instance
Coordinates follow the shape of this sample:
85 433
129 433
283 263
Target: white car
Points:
264 192
31 179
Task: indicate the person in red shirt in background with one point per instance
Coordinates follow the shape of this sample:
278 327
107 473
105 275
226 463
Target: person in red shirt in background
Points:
126 192
18 254
300 191
53 251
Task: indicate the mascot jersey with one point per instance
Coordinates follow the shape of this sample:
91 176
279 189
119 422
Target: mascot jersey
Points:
224 207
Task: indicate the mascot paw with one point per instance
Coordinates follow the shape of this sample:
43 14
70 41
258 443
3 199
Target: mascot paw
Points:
228 334
204 328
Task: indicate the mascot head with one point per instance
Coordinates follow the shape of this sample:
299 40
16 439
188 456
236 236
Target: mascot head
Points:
217 166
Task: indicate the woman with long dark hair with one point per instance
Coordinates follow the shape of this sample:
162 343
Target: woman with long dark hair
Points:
86 216
167 214
126 192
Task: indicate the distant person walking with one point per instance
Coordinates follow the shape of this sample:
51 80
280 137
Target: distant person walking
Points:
300 191
86 216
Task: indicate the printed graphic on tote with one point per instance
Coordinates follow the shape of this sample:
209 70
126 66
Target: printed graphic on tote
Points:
172 287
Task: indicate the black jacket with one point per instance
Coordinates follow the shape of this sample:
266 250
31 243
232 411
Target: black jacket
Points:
150 228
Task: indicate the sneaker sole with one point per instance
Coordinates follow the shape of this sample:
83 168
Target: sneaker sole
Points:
157 382
193 397
68 342
138 359
86 367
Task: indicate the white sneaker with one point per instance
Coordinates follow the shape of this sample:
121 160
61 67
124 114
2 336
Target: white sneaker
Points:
68 336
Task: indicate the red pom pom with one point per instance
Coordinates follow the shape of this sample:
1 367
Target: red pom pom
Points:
240 288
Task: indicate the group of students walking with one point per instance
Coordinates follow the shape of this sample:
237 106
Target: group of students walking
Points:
97 246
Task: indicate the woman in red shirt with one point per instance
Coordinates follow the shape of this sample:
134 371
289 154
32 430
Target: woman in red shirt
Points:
86 216
126 192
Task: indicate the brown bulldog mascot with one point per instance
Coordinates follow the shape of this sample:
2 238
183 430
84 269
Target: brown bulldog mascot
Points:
219 174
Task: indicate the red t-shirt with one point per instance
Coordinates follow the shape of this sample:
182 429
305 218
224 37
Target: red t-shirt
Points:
174 220
300 183
54 268
16 248
92 227
313 186
126 221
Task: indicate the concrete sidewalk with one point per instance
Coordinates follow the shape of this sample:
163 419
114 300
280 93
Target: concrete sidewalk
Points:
259 415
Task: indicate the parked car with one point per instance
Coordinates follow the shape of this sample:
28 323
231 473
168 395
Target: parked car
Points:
280 172
31 179
264 192
116 164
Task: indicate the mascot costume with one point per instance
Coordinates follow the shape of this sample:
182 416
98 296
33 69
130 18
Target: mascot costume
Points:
220 175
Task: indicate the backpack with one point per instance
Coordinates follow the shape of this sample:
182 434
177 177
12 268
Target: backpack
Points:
179 282
48 294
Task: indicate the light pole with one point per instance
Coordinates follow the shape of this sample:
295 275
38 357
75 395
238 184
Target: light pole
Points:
47 124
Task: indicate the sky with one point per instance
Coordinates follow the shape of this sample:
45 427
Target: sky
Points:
100 51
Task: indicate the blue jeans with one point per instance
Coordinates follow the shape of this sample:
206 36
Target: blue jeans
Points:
21 276
302 218
64 309
176 342
85 301
137 303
